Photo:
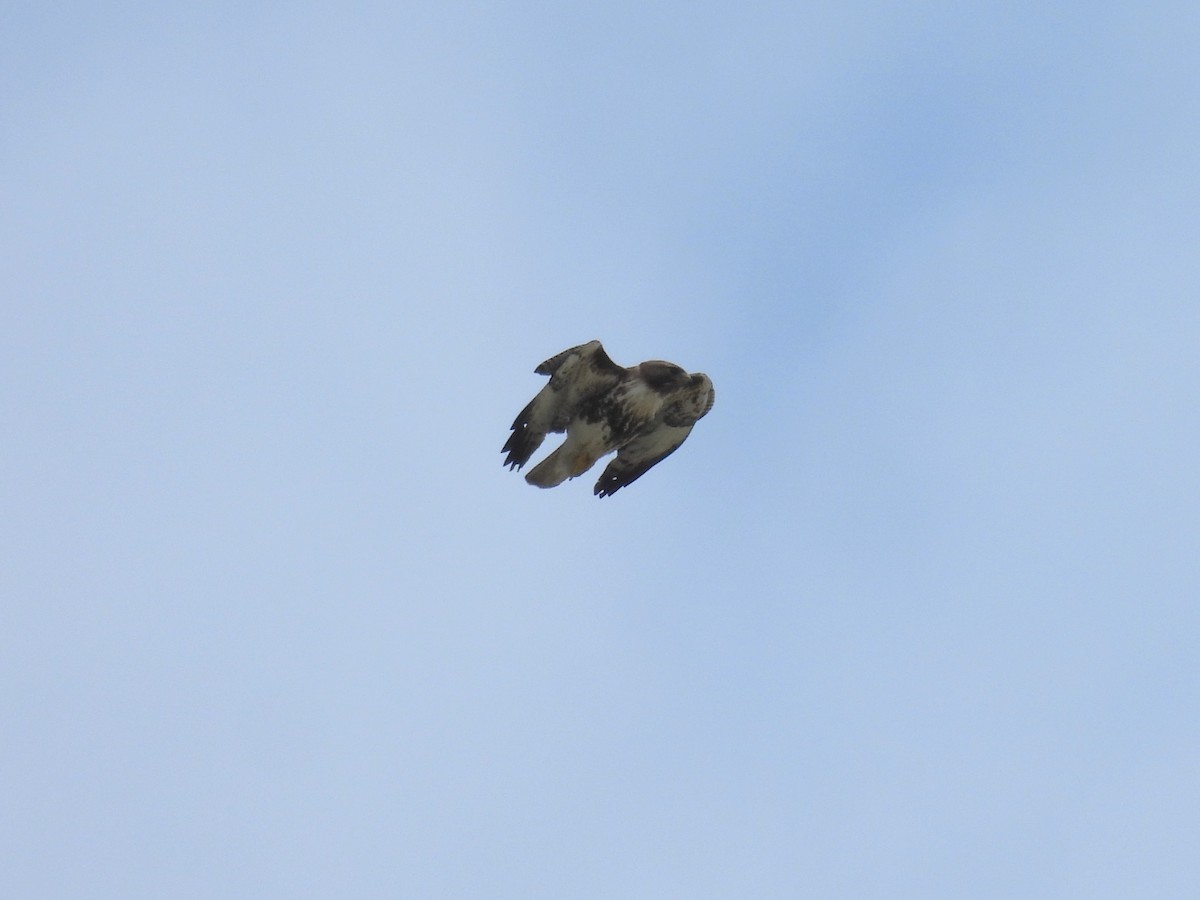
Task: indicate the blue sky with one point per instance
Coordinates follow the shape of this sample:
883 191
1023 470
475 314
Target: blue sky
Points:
912 614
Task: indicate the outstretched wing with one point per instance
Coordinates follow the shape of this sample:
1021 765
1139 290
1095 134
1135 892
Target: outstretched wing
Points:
592 353
576 375
639 456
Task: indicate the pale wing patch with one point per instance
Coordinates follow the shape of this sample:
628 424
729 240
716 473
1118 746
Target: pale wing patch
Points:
639 401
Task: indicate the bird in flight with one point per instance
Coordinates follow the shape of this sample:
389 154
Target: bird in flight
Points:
643 412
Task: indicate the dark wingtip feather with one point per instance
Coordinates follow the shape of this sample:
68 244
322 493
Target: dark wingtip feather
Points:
519 447
523 441
607 485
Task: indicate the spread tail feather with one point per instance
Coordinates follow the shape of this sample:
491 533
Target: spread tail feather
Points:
560 465
550 472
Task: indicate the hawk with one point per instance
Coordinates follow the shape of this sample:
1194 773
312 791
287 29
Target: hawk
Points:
644 413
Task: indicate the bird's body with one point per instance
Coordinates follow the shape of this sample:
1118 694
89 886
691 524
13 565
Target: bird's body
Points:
644 412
